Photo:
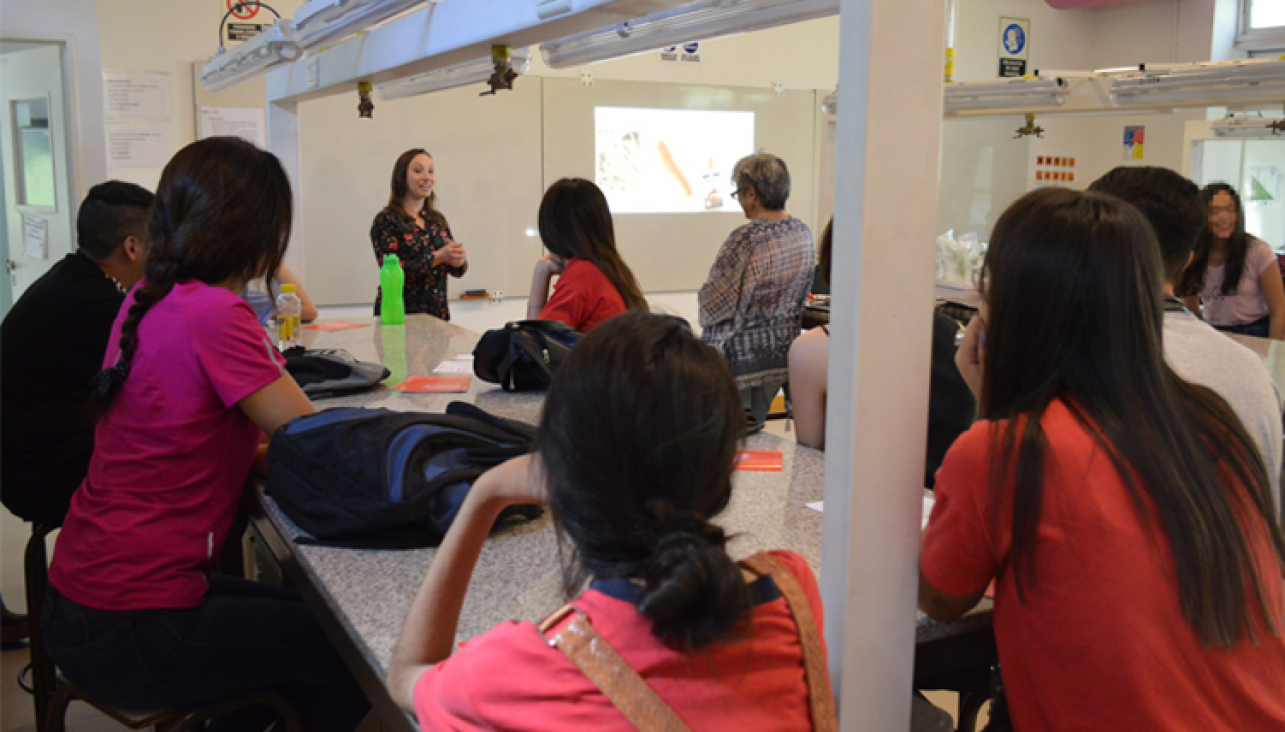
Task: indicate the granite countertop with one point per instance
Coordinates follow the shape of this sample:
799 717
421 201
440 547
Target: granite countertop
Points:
1272 353
518 575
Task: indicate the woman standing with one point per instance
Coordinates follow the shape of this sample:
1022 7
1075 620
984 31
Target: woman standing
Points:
1232 274
1123 513
595 283
190 384
411 227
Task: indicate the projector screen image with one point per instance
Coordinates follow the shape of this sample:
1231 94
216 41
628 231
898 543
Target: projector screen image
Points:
669 160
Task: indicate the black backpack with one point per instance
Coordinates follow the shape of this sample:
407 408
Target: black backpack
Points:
525 354
375 478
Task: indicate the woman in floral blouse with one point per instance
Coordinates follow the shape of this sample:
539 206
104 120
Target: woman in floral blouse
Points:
413 229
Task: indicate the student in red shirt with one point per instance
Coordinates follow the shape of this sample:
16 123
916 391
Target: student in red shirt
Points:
595 283
1124 514
638 441
190 383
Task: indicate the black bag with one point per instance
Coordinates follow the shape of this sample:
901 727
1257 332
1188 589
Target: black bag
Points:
524 355
375 478
327 373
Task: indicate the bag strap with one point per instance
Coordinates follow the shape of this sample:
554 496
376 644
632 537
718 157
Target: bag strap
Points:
820 695
640 704
617 681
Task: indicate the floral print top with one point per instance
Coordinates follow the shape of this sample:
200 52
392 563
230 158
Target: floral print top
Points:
393 232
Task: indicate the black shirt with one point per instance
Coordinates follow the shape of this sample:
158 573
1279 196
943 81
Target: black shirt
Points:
52 344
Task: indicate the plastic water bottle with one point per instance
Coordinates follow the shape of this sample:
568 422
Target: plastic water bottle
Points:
392 281
288 309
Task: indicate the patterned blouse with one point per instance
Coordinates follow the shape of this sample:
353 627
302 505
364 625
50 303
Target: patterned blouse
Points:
752 304
396 233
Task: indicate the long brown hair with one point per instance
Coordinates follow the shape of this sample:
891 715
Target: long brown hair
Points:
398 190
575 222
222 210
1074 285
1192 280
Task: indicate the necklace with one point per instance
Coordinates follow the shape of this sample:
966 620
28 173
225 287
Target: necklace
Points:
119 287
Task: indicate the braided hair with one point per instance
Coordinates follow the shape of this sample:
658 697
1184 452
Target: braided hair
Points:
222 211
639 437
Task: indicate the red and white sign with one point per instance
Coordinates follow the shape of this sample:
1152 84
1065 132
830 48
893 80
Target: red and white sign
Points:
245 12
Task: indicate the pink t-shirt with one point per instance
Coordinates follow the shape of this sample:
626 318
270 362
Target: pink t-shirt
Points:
1247 304
511 679
583 297
171 455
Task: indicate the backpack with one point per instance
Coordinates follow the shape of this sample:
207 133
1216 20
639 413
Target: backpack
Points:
525 354
380 479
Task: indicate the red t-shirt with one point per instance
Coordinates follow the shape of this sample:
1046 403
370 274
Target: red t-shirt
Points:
1101 643
171 455
583 297
511 679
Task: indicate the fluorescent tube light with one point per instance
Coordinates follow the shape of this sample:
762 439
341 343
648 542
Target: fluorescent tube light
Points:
1260 127
1027 93
318 22
469 72
273 46
1218 80
696 22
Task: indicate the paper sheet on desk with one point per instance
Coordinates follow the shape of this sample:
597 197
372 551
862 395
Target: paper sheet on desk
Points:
461 364
819 506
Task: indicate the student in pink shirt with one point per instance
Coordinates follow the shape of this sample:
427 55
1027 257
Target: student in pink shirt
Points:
190 385
594 283
637 445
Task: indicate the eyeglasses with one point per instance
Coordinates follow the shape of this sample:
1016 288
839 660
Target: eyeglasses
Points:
1212 209
736 194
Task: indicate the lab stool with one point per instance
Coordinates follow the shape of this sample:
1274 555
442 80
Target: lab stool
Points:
52 693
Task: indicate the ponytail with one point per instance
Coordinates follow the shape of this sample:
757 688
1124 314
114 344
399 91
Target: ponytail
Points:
693 593
108 382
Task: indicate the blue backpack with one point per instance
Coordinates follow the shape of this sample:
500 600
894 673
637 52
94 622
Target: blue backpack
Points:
379 479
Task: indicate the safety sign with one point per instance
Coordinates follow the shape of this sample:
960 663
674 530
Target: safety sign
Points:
1014 46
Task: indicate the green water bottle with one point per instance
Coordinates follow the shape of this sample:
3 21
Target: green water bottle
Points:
392 281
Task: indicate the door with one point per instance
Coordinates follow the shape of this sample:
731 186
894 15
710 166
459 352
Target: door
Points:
38 210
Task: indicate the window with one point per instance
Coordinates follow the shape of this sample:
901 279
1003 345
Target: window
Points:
1264 14
34 153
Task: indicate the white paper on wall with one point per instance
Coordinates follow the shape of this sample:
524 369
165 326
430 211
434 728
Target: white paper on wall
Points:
35 237
138 144
136 95
246 123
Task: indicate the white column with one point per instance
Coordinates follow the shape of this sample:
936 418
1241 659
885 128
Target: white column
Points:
888 137
283 141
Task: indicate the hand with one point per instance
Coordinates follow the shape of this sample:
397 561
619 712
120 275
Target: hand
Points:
972 353
518 481
551 264
455 254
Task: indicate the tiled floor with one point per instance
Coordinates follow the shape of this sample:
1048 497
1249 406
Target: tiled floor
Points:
16 709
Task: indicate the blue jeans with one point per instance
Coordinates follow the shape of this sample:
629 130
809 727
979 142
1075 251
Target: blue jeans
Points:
1260 328
243 637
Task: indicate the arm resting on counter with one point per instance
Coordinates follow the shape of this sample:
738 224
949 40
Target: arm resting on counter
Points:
429 633
942 606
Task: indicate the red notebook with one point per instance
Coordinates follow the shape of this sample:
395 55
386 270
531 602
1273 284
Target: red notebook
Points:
435 384
771 461
334 325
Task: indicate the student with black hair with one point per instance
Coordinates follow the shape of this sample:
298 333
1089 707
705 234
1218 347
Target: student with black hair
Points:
52 344
1233 277
1123 513
1173 206
594 283
638 441
190 383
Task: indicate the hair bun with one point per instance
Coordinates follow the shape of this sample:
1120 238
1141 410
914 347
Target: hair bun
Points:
694 592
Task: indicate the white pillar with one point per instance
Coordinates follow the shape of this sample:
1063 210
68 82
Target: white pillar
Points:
888 137
284 142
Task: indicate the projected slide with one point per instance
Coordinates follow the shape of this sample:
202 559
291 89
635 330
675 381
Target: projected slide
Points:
670 160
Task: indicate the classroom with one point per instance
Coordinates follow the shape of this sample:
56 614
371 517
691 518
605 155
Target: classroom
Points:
123 85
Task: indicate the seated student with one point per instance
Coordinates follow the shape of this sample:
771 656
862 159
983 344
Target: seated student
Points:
751 306
265 307
951 406
1200 354
1124 513
190 385
637 445
595 283
52 344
